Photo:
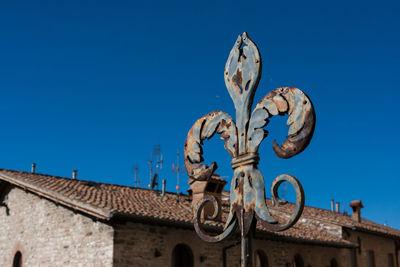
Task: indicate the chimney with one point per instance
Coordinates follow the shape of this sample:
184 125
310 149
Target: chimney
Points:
198 189
74 174
33 168
337 207
332 205
164 186
356 205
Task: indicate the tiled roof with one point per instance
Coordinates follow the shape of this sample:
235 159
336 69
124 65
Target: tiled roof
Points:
106 201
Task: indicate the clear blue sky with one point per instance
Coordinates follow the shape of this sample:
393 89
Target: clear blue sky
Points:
95 85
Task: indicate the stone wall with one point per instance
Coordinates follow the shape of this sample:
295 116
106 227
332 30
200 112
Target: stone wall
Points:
51 235
143 245
150 245
283 254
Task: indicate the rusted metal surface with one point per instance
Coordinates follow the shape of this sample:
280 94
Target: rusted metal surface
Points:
301 121
242 140
217 209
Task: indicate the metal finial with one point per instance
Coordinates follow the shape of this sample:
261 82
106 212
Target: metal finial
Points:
242 139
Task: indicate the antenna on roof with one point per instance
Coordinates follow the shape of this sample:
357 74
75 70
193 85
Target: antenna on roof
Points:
159 155
151 168
178 170
154 174
137 177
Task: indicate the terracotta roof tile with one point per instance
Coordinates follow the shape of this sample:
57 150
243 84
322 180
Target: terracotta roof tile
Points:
139 202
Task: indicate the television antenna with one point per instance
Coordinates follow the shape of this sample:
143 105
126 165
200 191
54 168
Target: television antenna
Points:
137 177
154 173
159 156
150 162
176 168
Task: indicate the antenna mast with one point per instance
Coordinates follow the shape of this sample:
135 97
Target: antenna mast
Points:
159 156
177 169
151 168
137 177
154 174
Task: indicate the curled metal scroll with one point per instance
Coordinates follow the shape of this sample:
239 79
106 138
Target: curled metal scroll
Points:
242 140
204 128
217 209
277 201
301 121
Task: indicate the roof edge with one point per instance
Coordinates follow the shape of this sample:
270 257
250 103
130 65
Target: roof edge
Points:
54 196
369 231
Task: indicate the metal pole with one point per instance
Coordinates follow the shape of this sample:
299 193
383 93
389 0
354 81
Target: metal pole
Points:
247 239
247 250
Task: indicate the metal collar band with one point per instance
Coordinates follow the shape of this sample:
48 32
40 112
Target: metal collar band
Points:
247 159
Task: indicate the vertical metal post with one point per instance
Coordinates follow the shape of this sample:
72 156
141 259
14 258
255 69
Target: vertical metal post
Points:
247 250
246 240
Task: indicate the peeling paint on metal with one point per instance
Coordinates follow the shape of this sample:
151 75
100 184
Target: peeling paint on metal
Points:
242 140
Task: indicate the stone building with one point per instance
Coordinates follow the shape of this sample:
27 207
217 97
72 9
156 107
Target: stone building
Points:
54 221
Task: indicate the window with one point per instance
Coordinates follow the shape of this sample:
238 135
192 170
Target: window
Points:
334 263
261 259
298 261
17 262
371 258
182 256
390 260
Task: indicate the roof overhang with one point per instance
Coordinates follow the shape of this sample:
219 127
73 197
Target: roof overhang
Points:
58 198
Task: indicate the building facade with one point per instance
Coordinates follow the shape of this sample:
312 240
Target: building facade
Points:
54 221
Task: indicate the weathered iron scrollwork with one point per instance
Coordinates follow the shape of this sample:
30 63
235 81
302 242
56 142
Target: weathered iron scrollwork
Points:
229 229
242 140
204 128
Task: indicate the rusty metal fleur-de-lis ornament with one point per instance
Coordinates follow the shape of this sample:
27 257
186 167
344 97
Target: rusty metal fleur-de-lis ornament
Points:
242 139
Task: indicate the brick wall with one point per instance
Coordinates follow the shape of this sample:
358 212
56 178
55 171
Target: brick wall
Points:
51 235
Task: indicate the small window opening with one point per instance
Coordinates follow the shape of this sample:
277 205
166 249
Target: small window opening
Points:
261 259
298 261
371 258
390 260
182 256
